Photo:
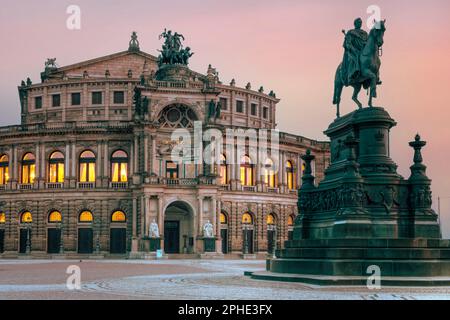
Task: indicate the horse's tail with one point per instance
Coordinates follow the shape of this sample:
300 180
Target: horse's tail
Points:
338 85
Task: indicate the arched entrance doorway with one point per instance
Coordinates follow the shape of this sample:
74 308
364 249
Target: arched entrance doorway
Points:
178 228
224 232
247 233
85 233
118 233
54 232
271 233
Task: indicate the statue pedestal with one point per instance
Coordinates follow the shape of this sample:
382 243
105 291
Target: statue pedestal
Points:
209 244
363 214
155 244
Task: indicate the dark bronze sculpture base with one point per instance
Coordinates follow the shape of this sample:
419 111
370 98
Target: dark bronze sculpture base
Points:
364 214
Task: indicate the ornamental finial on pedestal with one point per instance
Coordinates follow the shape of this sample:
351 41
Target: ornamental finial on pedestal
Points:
308 178
134 43
418 168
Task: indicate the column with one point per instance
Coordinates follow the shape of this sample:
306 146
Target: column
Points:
200 216
161 220
37 164
98 164
134 226
74 161
67 162
105 159
136 154
153 158
146 161
15 163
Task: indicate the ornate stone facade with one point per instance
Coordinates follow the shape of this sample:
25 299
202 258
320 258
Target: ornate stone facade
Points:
95 143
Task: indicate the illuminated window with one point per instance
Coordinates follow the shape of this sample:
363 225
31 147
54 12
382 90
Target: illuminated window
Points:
223 170
118 216
56 167
26 217
86 216
270 219
269 173
119 166
290 221
55 216
290 175
87 166
2 217
28 168
223 218
247 218
171 170
4 169
246 171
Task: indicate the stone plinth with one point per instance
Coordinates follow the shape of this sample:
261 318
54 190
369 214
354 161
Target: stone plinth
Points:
364 214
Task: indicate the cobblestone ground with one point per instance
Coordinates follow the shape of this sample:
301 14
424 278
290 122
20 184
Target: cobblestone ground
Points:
175 279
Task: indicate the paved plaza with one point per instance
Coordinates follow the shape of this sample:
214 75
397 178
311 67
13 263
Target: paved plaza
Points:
174 279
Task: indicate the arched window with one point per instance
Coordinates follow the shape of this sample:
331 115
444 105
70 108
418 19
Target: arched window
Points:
118 216
119 166
2 217
56 167
54 217
26 217
87 166
247 218
246 171
269 173
28 168
270 219
86 216
4 169
223 218
223 170
290 221
290 175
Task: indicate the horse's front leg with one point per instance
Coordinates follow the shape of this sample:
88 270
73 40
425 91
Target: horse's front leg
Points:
356 90
373 90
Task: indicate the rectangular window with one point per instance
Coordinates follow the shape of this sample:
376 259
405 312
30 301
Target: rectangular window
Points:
239 106
38 103
253 109
265 112
76 99
224 103
56 100
97 98
119 97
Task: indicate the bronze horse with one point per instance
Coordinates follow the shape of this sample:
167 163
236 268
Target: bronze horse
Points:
370 63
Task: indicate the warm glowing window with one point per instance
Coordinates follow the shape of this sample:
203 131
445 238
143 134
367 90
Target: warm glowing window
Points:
247 218
269 173
290 175
246 171
56 167
290 221
4 169
270 219
223 218
118 216
171 170
26 217
119 166
2 217
86 216
223 170
87 166
28 168
54 216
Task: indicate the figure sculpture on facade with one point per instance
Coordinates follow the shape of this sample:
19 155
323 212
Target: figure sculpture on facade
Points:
360 67
172 50
154 230
208 230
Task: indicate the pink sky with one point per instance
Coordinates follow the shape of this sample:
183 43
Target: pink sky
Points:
292 47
